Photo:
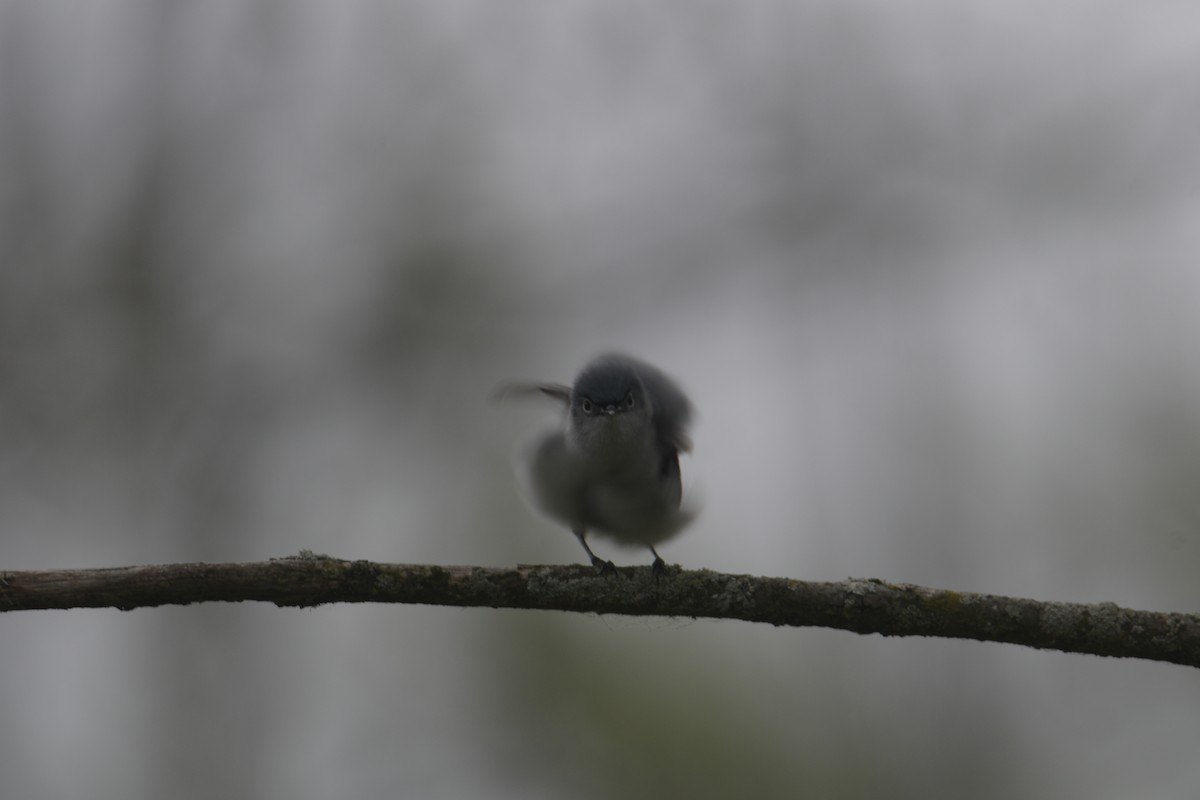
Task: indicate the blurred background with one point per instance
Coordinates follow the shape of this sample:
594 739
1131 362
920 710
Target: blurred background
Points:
928 271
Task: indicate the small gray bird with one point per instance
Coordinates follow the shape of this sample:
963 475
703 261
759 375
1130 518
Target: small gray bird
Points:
613 466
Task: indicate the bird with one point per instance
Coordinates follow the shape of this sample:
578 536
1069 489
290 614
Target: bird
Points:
611 466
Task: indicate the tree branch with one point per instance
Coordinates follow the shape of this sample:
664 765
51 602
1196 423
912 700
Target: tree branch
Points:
859 605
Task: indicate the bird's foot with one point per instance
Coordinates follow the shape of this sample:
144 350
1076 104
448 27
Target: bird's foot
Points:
605 568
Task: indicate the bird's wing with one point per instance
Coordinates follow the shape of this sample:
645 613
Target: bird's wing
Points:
672 483
672 409
515 389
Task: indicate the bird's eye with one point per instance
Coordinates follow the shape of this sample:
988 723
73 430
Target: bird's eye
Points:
586 405
629 400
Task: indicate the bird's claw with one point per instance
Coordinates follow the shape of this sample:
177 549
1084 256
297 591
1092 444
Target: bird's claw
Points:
605 568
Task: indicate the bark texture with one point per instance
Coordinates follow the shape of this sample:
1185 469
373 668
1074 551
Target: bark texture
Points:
859 605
